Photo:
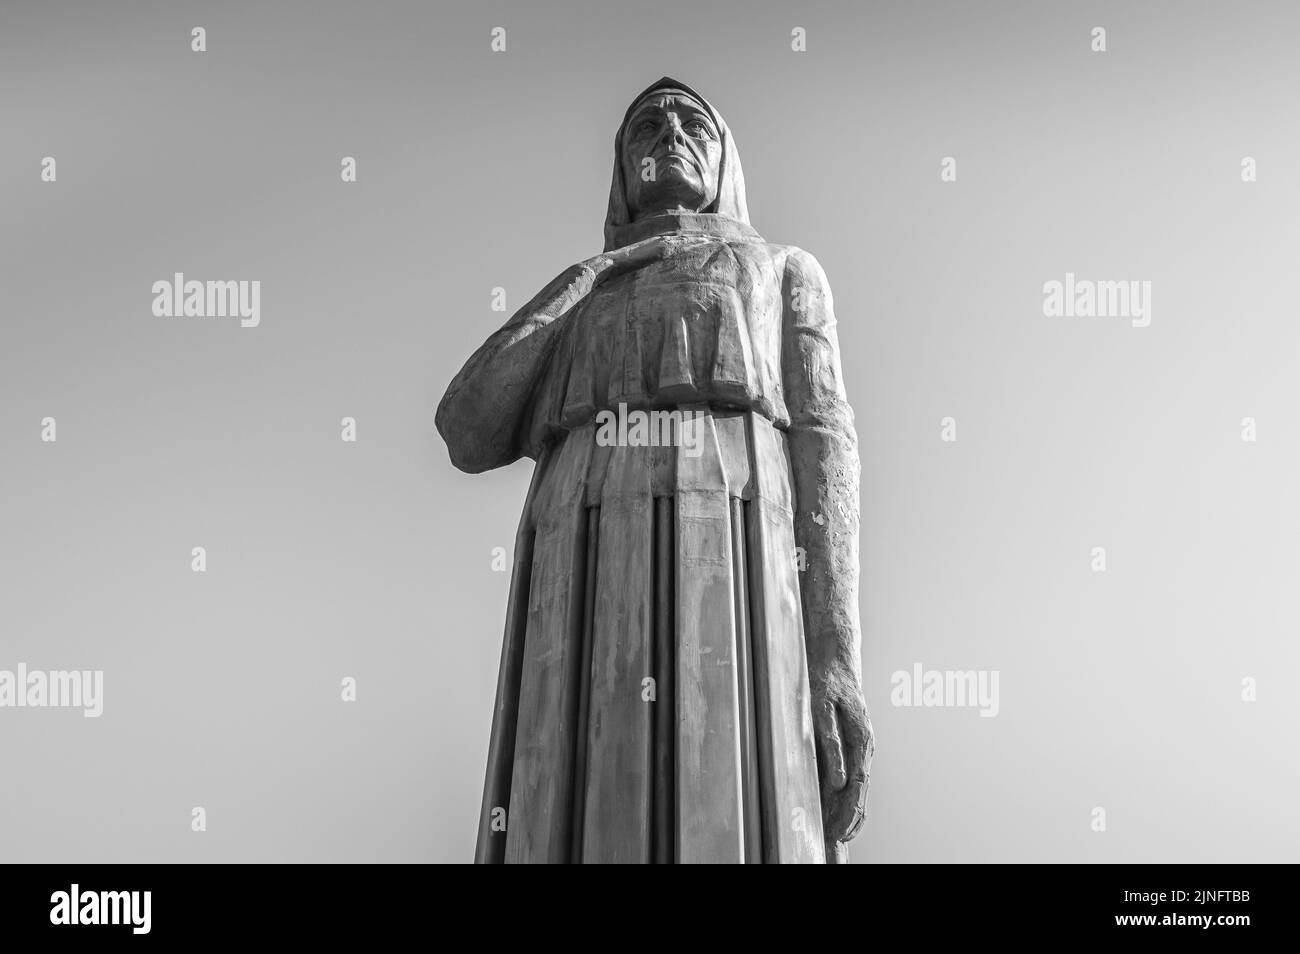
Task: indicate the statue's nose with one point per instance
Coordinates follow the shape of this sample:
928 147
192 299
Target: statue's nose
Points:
673 131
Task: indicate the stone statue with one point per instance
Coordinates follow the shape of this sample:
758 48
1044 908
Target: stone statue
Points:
680 672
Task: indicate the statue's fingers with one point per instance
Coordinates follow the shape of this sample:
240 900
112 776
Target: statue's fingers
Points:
859 739
844 815
860 746
652 249
830 749
855 814
638 254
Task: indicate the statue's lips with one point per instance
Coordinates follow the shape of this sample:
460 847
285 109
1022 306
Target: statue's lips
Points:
688 161
681 164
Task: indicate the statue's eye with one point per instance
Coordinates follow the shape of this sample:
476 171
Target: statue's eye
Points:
698 127
645 125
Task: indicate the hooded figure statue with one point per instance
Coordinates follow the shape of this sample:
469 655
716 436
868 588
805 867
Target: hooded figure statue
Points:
679 676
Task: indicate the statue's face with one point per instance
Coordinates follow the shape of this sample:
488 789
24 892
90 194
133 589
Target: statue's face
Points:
671 154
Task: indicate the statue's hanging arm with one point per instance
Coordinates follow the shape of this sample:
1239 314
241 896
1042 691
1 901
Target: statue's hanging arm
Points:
825 464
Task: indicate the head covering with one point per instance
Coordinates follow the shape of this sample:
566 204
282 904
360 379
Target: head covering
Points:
730 200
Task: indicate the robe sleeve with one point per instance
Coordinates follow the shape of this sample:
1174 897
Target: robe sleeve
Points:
484 414
824 461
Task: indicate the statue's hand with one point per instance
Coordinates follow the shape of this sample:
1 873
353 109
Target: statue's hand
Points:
619 261
845 745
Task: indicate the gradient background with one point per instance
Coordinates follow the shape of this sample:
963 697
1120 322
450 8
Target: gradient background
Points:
373 560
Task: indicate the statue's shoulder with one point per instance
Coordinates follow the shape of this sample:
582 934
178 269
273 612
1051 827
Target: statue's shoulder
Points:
796 263
779 254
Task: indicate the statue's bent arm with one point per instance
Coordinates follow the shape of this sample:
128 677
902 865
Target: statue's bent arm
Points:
485 411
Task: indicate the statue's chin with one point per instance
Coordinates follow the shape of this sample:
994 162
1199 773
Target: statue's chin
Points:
681 201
